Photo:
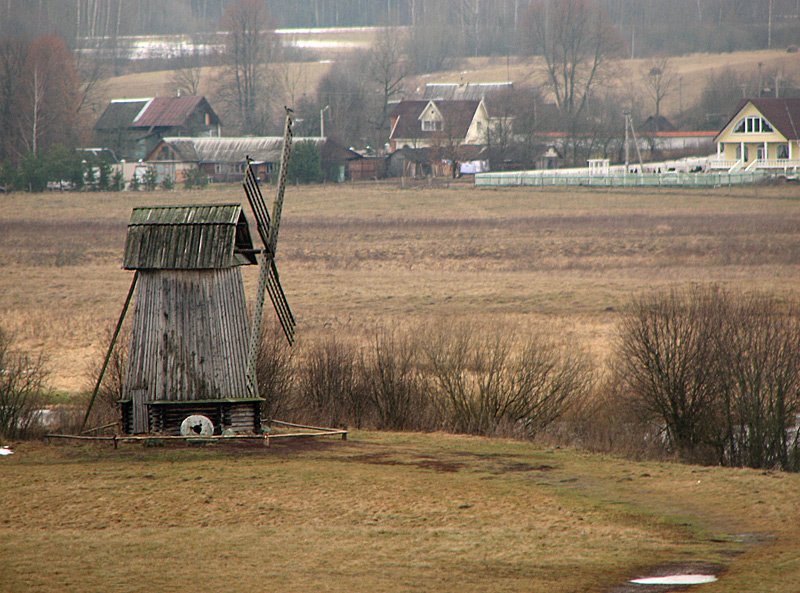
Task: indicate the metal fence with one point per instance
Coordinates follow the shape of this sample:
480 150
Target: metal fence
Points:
670 179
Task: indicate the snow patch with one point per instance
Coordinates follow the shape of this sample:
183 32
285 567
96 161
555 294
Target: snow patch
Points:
677 579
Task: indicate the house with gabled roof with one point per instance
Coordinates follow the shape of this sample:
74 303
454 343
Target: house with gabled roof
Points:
132 127
224 159
762 134
420 124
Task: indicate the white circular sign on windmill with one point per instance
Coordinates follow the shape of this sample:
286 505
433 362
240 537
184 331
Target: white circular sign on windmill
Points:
197 425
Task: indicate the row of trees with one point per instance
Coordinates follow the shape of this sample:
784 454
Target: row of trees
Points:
472 27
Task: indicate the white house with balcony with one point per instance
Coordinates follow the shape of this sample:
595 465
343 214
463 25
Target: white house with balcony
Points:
763 134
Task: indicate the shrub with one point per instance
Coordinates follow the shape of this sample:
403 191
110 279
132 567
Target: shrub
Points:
490 381
394 383
195 178
668 363
21 384
150 179
719 370
328 384
275 372
760 349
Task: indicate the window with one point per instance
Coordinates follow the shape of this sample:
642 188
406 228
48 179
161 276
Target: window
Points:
431 125
752 125
783 151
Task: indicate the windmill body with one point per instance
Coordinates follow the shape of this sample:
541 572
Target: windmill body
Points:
192 350
190 330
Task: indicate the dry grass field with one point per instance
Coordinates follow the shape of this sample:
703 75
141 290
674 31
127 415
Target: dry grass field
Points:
693 71
385 512
359 255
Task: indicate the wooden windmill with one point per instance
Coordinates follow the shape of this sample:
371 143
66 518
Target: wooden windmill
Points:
192 351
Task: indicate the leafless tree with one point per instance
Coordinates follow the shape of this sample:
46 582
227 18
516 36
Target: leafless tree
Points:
760 350
387 69
659 80
669 364
251 48
576 41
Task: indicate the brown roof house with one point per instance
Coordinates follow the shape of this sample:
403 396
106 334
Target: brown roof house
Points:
762 134
132 127
420 124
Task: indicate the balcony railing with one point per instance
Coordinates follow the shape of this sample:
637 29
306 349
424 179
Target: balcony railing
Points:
727 165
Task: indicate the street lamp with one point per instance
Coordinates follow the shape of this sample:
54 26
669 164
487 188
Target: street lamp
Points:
322 120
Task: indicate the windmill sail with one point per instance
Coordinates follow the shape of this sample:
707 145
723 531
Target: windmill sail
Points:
268 279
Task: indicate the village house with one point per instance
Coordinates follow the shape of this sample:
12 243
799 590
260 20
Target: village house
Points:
762 134
224 159
420 124
131 128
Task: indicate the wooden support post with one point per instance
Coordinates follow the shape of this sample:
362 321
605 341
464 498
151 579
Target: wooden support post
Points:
110 349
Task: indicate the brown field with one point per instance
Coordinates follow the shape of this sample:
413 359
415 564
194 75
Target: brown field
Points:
693 70
386 512
357 255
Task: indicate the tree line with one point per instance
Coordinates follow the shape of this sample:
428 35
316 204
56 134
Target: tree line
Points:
476 27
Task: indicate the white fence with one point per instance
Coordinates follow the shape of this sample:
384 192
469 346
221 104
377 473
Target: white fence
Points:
581 177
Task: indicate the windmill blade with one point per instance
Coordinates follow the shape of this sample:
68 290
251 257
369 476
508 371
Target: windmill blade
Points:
257 205
278 206
280 303
268 280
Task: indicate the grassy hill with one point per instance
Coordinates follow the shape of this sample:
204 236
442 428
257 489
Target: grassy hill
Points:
386 512
693 71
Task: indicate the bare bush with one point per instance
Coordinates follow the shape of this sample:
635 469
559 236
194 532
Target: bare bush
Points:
667 360
328 388
489 381
719 370
22 380
105 408
275 372
760 351
394 383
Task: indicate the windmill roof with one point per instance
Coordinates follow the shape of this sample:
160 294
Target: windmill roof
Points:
187 238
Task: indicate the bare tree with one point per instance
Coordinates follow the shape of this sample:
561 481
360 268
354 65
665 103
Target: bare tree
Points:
670 367
251 47
387 69
576 41
659 81
760 350
492 380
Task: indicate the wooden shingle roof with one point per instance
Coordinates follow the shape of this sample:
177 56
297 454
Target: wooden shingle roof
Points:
188 238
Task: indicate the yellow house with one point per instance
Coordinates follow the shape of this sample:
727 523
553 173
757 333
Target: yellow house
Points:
762 134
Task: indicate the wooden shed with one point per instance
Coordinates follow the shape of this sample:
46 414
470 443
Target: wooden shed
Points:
190 328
